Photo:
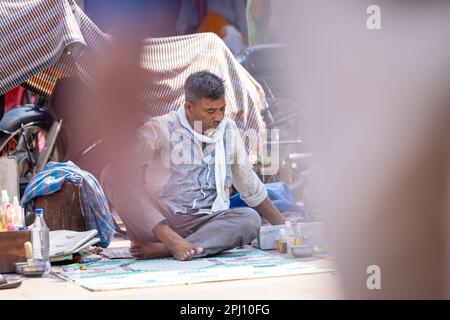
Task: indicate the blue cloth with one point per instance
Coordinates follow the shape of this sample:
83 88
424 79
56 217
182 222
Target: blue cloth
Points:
93 201
280 195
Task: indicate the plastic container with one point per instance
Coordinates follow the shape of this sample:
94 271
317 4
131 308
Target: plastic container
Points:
290 238
40 239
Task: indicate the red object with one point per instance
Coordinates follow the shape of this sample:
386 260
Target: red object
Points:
14 98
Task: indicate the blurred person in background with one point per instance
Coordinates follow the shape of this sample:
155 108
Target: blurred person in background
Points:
226 18
258 21
378 104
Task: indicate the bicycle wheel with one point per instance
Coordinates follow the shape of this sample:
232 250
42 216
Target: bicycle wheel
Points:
25 145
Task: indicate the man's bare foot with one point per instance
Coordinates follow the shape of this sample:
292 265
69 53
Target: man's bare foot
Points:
149 250
183 250
180 250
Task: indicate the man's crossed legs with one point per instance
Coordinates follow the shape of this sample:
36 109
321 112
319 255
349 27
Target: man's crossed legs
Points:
202 235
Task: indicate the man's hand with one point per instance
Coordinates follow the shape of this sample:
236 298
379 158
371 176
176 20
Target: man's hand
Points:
268 211
179 247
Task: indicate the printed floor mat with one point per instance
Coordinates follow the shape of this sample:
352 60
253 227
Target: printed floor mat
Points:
246 263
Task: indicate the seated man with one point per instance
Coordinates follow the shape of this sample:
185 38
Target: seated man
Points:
190 159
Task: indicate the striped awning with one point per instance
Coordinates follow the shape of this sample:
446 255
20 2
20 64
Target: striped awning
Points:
43 40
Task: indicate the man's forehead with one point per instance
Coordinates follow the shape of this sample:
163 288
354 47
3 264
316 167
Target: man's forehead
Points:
212 104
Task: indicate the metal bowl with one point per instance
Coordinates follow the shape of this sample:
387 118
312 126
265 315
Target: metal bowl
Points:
34 270
302 251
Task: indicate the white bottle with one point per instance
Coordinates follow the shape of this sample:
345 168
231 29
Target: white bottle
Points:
19 219
40 239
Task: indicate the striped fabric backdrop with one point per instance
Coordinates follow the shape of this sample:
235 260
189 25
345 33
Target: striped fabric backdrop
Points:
43 40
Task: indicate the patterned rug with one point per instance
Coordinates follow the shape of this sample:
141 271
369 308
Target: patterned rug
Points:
245 263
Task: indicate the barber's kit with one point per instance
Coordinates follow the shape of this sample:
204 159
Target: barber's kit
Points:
293 239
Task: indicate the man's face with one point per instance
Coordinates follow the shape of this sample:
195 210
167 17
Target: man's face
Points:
209 112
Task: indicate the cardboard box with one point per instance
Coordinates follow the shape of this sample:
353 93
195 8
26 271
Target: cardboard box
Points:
12 249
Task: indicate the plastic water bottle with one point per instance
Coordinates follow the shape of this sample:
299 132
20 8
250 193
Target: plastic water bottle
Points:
290 236
40 240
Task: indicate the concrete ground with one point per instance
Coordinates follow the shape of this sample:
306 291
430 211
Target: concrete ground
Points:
314 286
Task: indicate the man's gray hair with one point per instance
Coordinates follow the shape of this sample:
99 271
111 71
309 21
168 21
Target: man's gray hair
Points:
203 84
